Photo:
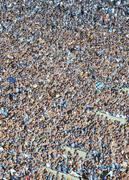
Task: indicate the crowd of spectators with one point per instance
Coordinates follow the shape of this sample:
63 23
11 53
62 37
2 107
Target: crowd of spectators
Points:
60 63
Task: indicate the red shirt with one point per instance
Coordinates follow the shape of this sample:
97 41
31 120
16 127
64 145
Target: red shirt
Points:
27 178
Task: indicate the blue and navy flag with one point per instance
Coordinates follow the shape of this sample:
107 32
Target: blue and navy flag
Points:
11 80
